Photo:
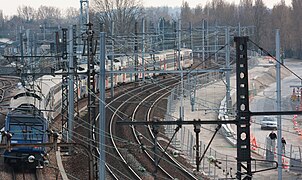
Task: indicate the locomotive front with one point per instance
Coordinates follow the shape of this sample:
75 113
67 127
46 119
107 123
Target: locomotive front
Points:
25 126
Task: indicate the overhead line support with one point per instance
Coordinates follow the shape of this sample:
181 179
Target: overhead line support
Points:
243 113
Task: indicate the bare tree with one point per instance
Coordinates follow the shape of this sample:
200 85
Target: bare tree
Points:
281 19
27 13
260 19
48 14
123 12
72 15
219 11
198 15
297 26
186 14
154 14
245 12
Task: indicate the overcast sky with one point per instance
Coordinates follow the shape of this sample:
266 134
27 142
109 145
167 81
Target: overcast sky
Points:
9 7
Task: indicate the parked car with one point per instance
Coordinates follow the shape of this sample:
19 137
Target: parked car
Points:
269 122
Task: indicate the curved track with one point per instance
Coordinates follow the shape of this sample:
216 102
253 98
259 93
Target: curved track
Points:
120 111
129 145
150 115
163 157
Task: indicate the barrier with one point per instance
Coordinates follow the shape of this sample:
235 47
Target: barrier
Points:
296 126
254 145
228 132
285 164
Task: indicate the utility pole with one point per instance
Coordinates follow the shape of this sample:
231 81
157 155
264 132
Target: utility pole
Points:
57 50
65 103
75 71
84 15
102 117
216 42
243 116
71 88
135 53
91 92
193 83
84 20
112 59
203 48
239 29
208 53
181 113
228 73
143 48
21 51
279 125
163 33
29 53
191 36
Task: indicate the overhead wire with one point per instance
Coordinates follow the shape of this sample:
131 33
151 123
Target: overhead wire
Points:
196 66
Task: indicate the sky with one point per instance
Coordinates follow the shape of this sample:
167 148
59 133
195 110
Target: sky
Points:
9 7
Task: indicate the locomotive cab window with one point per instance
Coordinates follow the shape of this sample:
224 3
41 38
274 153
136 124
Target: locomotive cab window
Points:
26 132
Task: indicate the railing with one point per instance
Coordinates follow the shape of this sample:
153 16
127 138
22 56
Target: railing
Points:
186 144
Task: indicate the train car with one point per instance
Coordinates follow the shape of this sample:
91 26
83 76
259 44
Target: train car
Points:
82 80
124 63
82 87
29 96
187 56
161 60
25 125
51 90
171 59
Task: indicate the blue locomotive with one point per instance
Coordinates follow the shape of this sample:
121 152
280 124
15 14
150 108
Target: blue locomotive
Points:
25 124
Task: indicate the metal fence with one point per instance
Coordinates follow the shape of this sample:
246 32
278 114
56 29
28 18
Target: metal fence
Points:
186 143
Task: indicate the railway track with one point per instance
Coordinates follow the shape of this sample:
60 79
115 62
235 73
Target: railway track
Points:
130 110
117 105
163 156
6 86
26 174
139 94
117 168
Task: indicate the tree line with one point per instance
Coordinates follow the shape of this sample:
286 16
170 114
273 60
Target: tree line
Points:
216 12
254 13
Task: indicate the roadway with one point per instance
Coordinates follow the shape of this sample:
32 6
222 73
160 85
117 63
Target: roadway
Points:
266 101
